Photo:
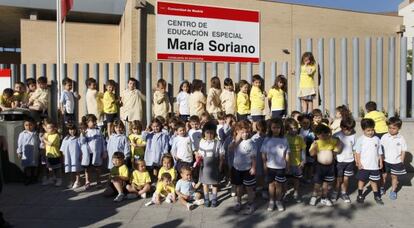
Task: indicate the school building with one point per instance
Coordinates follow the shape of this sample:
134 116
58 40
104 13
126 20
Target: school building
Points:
125 32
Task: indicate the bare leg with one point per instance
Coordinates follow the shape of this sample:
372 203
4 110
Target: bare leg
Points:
394 182
251 194
272 191
118 185
345 184
278 191
325 189
304 106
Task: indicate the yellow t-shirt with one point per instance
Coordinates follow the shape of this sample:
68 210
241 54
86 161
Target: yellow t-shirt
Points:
277 97
121 171
20 96
327 145
109 103
197 103
137 151
6 102
380 121
243 103
140 178
52 151
164 189
307 80
171 171
257 99
296 145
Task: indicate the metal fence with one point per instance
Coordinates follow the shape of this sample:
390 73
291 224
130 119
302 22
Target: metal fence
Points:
343 68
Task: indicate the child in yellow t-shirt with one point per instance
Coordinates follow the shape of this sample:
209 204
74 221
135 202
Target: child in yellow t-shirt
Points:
110 105
257 99
7 100
307 90
165 190
324 148
20 95
297 156
168 167
119 175
140 181
136 141
51 140
243 101
197 101
277 97
379 118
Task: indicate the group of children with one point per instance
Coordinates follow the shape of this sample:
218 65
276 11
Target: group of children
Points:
221 136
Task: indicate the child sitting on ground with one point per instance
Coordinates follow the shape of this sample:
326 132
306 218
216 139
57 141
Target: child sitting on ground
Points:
140 181
119 175
185 189
378 117
165 190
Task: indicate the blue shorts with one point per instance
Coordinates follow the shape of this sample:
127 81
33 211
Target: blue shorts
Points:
257 118
324 173
278 175
365 175
111 117
295 172
278 114
242 117
242 178
345 169
395 169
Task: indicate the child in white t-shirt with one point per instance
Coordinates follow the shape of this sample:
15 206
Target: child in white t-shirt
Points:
182 101
181 148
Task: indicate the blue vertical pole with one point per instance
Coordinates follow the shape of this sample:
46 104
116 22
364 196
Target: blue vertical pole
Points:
367 69
238 73
76 89
159 70
274 71
33 71
227 70
332 77
53 98
148 93
298 55
391 77
380 62
355 80
321 86
43 70
249 72
171 84
192 71
23 73
344 70
403 77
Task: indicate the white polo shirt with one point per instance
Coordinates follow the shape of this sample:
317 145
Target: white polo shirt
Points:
183 106
392 146
68 100
182 148
348 143
275 150
244 155
369 150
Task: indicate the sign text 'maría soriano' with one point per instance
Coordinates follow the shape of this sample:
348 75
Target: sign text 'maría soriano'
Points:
204 33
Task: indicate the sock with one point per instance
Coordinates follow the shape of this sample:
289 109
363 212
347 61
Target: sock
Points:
206 196
214 196
360 192
343 193
377 194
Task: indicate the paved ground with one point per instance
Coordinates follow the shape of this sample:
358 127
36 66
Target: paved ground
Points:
48 206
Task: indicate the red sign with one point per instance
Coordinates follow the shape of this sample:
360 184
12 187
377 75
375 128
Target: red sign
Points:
5 73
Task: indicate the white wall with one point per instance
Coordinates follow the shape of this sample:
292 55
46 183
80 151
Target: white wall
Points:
407 13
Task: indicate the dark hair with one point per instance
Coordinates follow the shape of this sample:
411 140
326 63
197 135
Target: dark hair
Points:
367 123
162 82
185 168
157 121
162 120
42 80
291 122
209 126
30 81
19 83
395 121
194 118
90 117
280 78
90 81
30 120
136 124
221 115
67 81
348 123
278 122
119 123
228 82
183 83
71 126
261 126
343 109
294 112
241 84
309 56
215 82
111 83
118 155
371 106
197 85
206 115
132 80
317 112
244 124
170 157
304 116
179 124
8 91
322 129
257 77
166 176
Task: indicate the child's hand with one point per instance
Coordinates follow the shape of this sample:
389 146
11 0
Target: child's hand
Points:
360 166
381 165
252 171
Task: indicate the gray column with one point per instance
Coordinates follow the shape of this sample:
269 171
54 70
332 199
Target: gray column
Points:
380 72
227 70
332 77
23 73
249 72
204 71
170 86
192 71
86 76
53 91
148 92
215 69
262 71
412 82
309 45
285 69
237 72
344 70
181 72
117 75
159 70
321 84
14 76
403 77
33 71
127 73
64 71
391 76
138 75
106 73
43 70
76 89
367 69
274 72
298 56
355 80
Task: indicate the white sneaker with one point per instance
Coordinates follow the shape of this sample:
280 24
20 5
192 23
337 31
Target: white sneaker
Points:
280 206
233 194
313 200
271 206
76 185
168 200
143 195
132 196
58 182
119 197
296 197
326 202
199 202
190 206
149 203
